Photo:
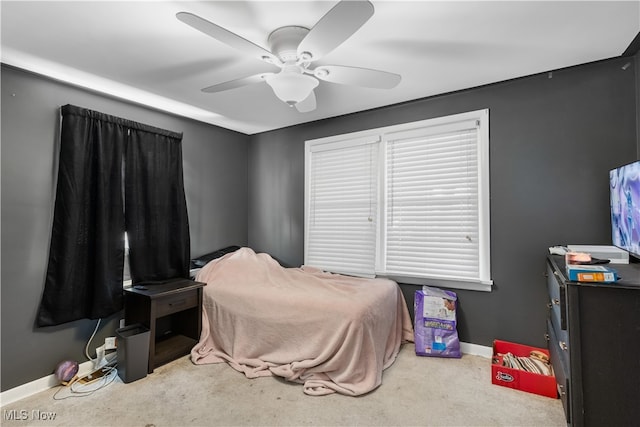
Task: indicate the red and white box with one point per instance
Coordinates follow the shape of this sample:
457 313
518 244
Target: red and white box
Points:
530 382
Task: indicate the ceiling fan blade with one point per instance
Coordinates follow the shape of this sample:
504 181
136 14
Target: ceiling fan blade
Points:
365 77
232 84
227 37
308 104
334 28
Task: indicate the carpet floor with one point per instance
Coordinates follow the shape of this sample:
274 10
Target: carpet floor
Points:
415 391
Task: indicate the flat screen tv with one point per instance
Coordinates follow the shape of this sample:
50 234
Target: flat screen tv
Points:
624 185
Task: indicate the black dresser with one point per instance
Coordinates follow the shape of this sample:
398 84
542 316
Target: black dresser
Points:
594 341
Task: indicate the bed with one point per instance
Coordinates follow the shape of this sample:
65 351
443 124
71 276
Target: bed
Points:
329 332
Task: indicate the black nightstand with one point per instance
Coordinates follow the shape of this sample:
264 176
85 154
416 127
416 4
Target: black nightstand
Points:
173 313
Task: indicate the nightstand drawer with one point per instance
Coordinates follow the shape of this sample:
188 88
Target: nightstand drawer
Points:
175 303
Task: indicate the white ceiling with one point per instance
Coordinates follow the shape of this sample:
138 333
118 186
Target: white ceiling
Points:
140 51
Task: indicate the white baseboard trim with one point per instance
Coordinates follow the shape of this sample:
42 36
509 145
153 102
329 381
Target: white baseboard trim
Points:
476 350
36 386
45 383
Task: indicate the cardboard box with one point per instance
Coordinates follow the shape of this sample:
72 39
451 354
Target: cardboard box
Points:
613 254
530 382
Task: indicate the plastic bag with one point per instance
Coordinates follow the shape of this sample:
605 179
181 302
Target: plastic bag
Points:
435 327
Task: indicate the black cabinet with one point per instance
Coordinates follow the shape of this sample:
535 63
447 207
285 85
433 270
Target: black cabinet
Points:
173 313
594 342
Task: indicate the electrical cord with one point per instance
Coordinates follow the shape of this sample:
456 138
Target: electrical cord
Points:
86 349
78 389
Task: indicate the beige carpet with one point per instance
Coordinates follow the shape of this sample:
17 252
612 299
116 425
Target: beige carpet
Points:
416 391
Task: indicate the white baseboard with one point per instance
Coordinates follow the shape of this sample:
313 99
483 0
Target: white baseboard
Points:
36 386
45 383
476 350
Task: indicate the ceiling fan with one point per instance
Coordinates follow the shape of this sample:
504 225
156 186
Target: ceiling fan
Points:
294 48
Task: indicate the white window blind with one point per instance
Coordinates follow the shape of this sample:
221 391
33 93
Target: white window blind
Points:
342 207
409 202
432 224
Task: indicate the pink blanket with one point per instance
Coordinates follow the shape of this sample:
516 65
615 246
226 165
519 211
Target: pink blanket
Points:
330 332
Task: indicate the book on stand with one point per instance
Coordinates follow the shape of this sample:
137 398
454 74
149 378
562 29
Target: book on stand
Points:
591 273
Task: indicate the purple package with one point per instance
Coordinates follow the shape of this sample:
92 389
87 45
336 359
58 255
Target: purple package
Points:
435 323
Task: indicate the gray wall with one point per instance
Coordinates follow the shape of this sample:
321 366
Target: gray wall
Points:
552 142
553 139
215 176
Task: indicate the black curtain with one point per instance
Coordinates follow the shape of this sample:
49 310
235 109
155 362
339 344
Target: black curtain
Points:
155 207
86 256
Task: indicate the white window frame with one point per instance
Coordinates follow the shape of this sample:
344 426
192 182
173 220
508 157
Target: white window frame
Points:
481 120
343 263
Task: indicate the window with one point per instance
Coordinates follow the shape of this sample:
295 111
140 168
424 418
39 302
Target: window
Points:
409 202
94 206
342 206
126 272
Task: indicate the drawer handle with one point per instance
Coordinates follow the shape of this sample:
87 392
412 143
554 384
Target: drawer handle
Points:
177 303
563 345
561 390
553 302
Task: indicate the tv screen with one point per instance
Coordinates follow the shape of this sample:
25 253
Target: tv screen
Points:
624 185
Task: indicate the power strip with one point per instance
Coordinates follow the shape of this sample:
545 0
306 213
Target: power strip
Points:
110 343
94 376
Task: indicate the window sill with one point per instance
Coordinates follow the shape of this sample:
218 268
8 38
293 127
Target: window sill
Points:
471 285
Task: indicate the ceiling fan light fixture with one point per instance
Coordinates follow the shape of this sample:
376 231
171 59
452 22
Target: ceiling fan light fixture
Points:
291 87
